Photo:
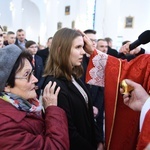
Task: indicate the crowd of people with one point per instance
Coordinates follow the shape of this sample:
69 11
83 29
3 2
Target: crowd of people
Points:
78 78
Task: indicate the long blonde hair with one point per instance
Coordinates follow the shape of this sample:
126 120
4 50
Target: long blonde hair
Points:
58 63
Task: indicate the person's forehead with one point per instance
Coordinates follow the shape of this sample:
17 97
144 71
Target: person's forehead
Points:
20 33
78 38
50 40
27 64
102 42
78 41
33 45
11 35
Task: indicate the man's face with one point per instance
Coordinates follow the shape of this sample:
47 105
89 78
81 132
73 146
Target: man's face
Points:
102 46
11 38
21 36
93 38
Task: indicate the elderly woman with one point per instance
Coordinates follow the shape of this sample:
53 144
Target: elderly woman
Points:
22 125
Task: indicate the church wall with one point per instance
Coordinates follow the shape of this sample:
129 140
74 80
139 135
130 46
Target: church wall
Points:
42 17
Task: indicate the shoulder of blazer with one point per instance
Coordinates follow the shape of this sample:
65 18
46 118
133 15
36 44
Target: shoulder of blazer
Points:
61 81
43 52
38 59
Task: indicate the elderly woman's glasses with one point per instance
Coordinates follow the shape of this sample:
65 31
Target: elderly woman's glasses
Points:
28 77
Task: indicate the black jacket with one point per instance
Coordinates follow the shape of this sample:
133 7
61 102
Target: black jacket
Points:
112 52
43 54
38 72
16 43
83 131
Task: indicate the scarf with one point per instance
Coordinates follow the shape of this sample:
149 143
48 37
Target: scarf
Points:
31 105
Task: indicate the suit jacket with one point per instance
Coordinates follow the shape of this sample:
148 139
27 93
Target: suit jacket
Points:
16 42
22 130
38 72
112 52
43 54
82 128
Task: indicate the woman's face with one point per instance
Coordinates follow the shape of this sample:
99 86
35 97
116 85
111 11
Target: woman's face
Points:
24 82
77 51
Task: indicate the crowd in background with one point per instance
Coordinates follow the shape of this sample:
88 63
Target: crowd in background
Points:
52 66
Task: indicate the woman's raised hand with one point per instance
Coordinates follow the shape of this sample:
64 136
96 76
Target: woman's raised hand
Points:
50 94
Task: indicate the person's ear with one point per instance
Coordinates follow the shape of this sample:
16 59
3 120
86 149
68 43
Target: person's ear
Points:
7 89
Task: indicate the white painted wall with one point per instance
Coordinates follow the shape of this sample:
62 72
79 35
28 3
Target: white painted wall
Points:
40 17
110 19
5 14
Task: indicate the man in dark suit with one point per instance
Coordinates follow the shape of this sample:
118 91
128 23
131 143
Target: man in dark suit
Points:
45 52
111 51
37 63
21 39
102 45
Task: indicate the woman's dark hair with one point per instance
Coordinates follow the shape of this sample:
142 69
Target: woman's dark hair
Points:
18 66
29 43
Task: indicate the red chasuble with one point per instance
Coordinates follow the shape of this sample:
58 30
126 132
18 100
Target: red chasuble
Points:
122 123
144 138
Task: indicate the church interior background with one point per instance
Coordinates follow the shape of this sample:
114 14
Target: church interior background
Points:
119 19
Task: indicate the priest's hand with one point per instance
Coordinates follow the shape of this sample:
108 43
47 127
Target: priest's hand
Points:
88 45
125 48
135 99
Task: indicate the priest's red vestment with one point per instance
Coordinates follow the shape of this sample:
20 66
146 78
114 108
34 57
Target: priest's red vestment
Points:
144 137
121 123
